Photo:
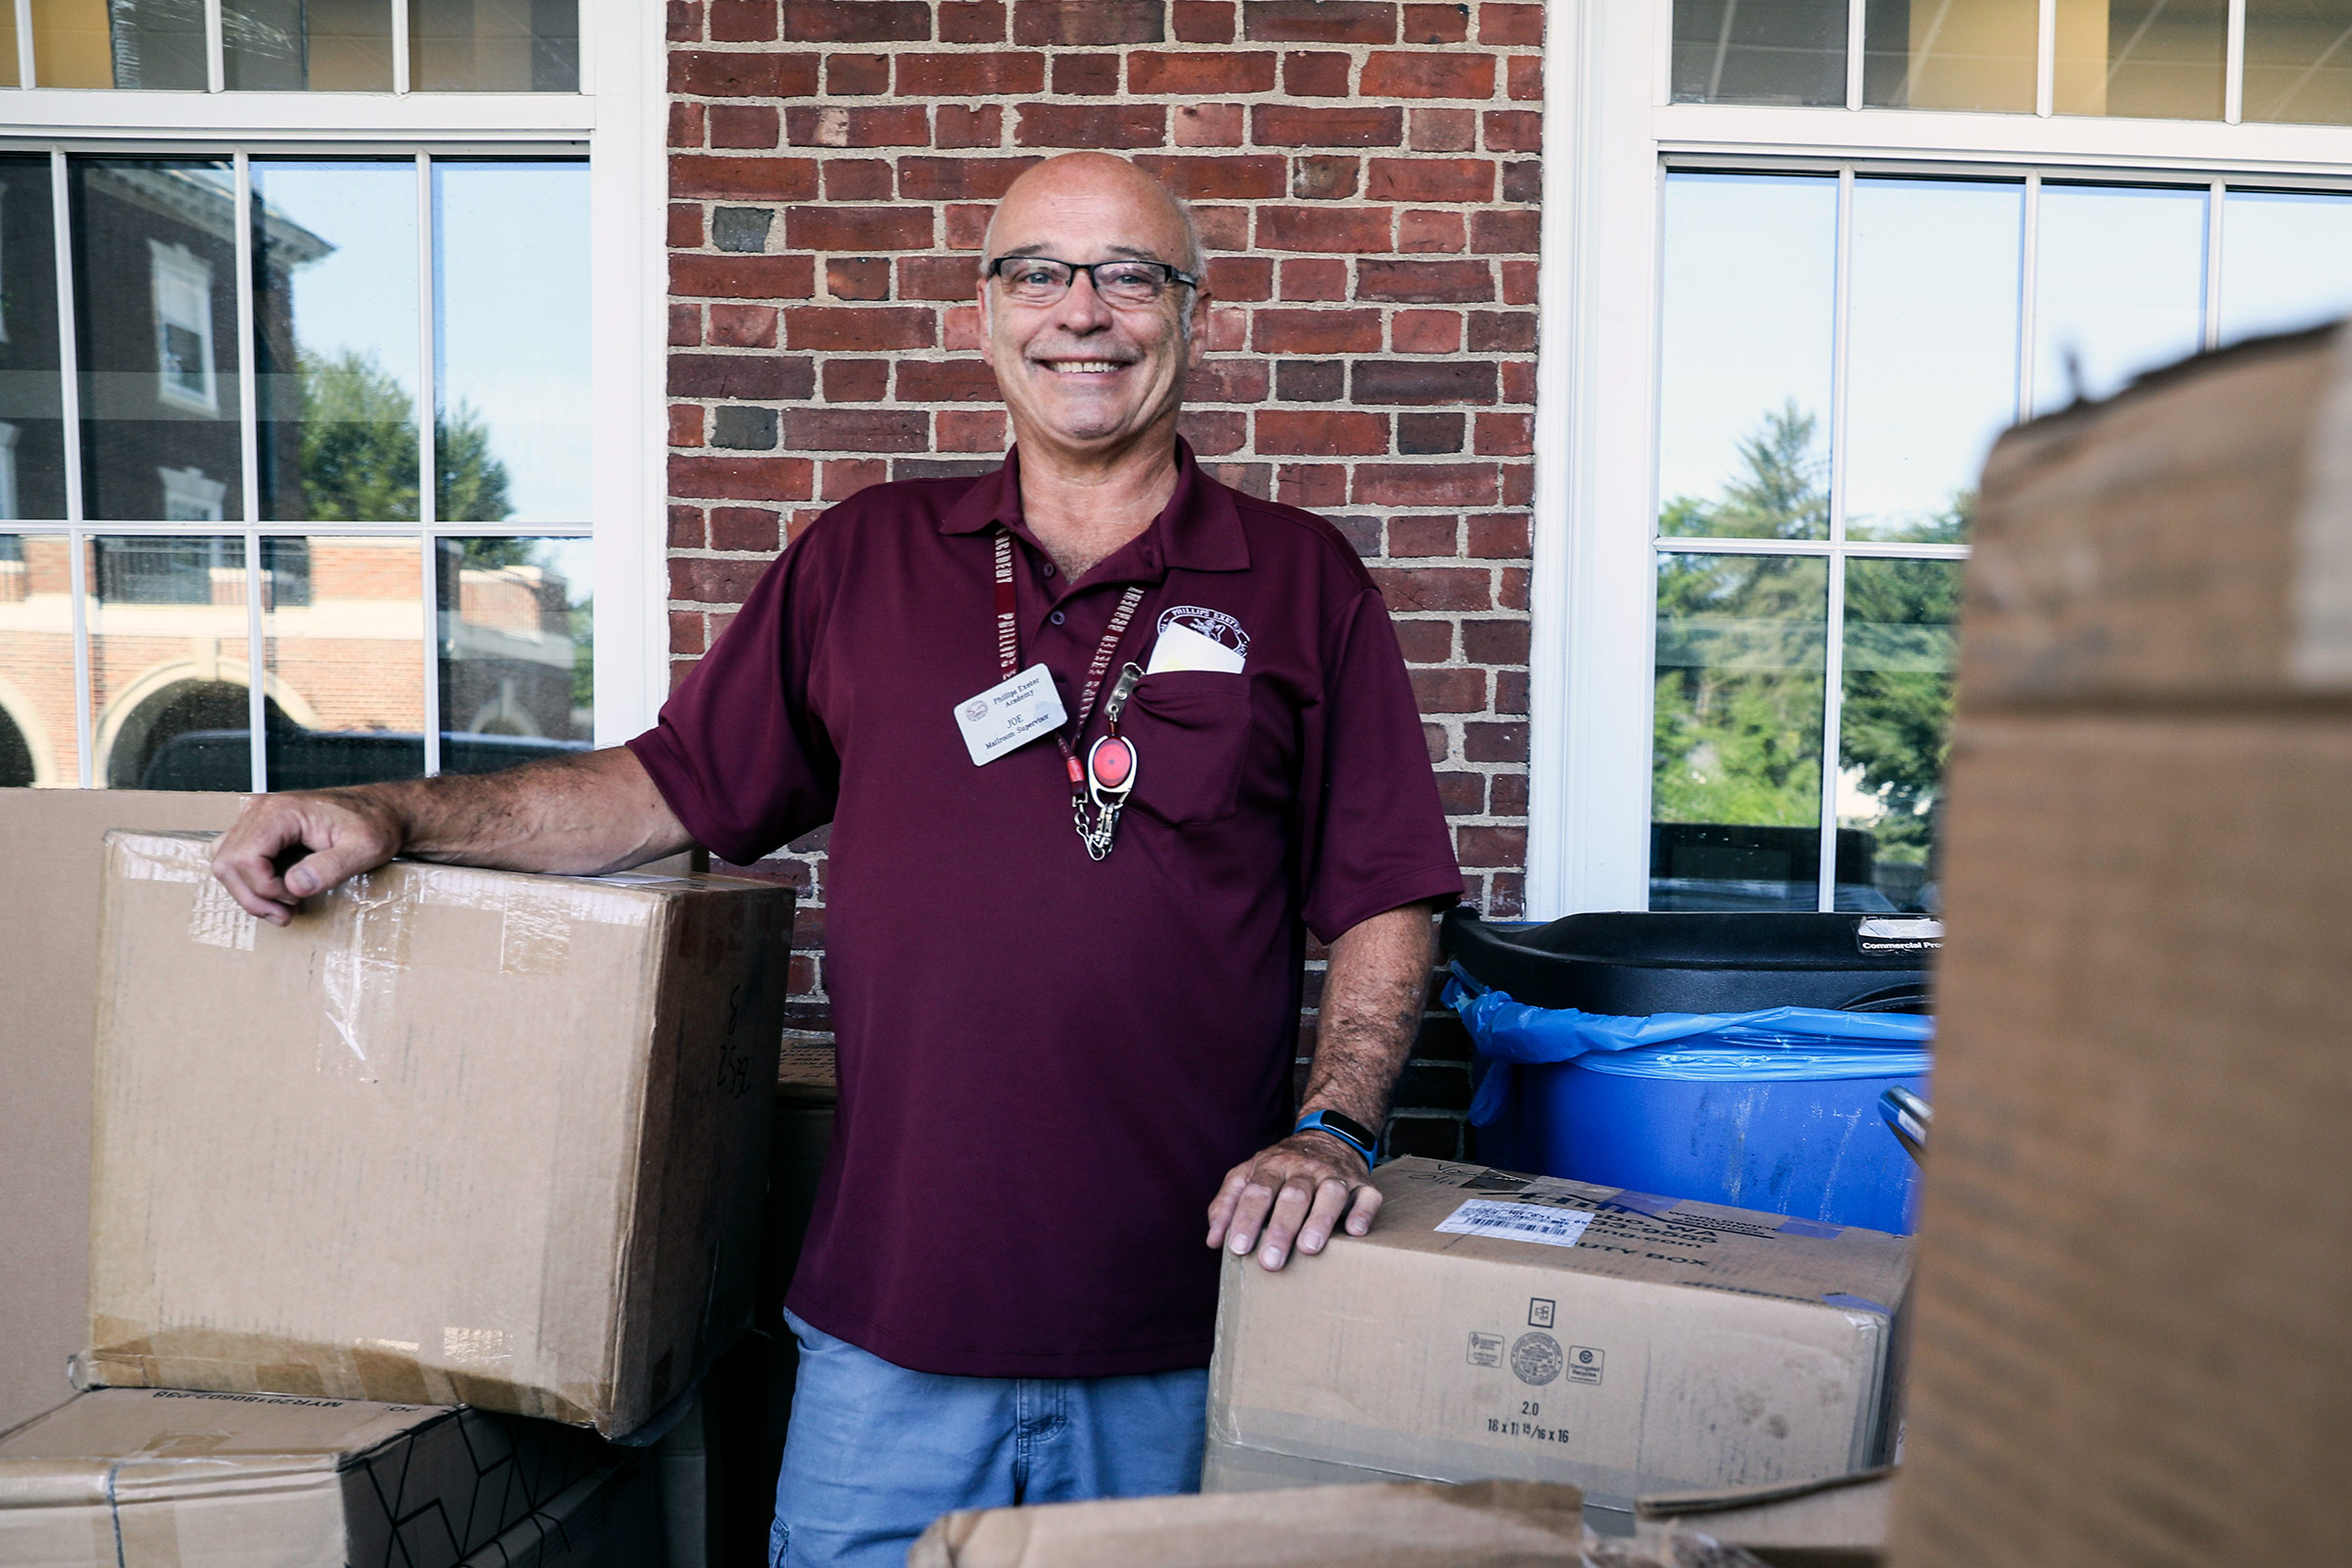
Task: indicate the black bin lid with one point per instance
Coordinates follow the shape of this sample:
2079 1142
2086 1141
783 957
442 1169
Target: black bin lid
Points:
1636 963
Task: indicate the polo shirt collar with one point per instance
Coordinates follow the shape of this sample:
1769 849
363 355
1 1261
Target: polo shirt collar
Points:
1199 529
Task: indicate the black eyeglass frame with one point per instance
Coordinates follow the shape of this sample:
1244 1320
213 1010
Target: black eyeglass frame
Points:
1169 273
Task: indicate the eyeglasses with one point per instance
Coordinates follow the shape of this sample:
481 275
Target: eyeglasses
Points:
1043 280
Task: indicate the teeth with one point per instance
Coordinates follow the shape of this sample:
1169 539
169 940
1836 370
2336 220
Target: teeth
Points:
1086 365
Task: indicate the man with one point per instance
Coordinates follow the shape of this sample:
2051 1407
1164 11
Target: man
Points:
1063 909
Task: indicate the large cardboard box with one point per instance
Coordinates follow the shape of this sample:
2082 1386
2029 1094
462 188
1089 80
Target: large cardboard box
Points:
175 1479
51 853
2134 1325
1499 1326
450 1137
1505 1524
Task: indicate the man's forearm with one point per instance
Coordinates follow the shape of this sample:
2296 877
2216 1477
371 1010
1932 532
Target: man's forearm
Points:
583 815
1373 997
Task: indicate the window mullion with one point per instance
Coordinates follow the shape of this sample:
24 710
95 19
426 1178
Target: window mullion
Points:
249 415
2234 68
1853 53
2213 264
400 47
2046 59
1832 682
429 463
69 389
216 71
2025 267
25 63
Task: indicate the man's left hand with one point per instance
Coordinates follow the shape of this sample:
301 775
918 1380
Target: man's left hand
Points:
1300 1188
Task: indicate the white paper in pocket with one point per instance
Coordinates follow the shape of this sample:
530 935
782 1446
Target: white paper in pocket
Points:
1182 648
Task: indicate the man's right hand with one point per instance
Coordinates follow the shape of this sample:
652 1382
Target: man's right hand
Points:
344 831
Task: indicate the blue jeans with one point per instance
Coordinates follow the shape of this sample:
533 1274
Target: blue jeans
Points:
875 1452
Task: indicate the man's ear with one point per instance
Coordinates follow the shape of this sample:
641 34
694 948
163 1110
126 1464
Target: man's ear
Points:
1199 344
987 323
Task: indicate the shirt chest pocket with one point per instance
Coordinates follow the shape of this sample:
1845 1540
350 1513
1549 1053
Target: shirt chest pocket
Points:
1191 730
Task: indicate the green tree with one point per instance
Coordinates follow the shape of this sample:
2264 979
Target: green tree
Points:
359 448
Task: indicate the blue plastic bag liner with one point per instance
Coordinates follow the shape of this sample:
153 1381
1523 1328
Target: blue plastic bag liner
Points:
1770 1043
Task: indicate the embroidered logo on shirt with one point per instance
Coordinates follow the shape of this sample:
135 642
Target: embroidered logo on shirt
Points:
1213 624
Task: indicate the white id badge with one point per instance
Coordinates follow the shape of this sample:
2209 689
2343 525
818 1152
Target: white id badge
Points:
1010 713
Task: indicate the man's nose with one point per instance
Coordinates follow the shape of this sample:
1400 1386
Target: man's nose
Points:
1082 308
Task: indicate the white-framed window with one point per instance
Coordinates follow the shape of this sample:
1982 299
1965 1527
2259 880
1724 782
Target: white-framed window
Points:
1779 336
393 402
184 332
189 496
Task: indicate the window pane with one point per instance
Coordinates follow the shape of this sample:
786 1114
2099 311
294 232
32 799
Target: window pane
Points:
2299 60
515 651
2287 260
2151 59
343 648
120 43
32 452
1748 300
335 249
155 321
315 45
36 660
1932 360
168 664
1950 54
1736 758
510 284
2118 287
493 45
1894 727
1759 51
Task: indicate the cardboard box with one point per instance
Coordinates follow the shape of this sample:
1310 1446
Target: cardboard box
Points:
198 1480
1635 1344
2132 1340
51 844
1838 1523
450 1137
1505 1524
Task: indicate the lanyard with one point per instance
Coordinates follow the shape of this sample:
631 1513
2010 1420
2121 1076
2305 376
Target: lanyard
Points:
1109 772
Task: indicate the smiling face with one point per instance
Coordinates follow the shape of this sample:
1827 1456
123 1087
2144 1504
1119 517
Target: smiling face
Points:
1084 379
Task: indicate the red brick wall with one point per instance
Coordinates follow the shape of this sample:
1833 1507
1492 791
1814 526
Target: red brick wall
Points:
1364 176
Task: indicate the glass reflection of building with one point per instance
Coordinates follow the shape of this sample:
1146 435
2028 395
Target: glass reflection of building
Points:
170 619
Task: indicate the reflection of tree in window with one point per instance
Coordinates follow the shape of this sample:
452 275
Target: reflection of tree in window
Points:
1737 720
359 448
1782 494
1895 724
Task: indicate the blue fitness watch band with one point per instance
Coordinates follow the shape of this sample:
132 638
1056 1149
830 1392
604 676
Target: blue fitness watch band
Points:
1346 1129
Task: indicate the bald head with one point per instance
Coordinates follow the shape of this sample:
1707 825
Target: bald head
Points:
1130 210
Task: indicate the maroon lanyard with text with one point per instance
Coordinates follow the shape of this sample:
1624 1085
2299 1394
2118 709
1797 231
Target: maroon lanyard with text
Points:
1107 774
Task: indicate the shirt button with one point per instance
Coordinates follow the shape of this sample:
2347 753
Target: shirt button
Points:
1048 569
1055 617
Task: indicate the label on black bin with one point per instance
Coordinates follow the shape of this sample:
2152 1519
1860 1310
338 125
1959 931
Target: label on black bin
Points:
1903 933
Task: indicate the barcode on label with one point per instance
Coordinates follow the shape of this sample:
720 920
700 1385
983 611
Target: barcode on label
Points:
1517 1222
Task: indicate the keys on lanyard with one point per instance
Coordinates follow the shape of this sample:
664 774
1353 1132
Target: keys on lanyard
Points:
1110 771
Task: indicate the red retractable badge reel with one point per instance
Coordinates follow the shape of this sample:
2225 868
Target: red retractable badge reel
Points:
1109 770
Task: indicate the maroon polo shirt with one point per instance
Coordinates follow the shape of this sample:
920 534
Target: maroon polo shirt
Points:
1048 1062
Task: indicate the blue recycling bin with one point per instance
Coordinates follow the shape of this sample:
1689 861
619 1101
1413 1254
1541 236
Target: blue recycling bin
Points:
1756 1105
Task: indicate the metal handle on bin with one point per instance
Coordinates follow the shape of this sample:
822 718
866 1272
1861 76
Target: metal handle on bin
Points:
1908 1117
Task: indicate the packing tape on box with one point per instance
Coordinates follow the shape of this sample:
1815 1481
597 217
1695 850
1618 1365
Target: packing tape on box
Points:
152 857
